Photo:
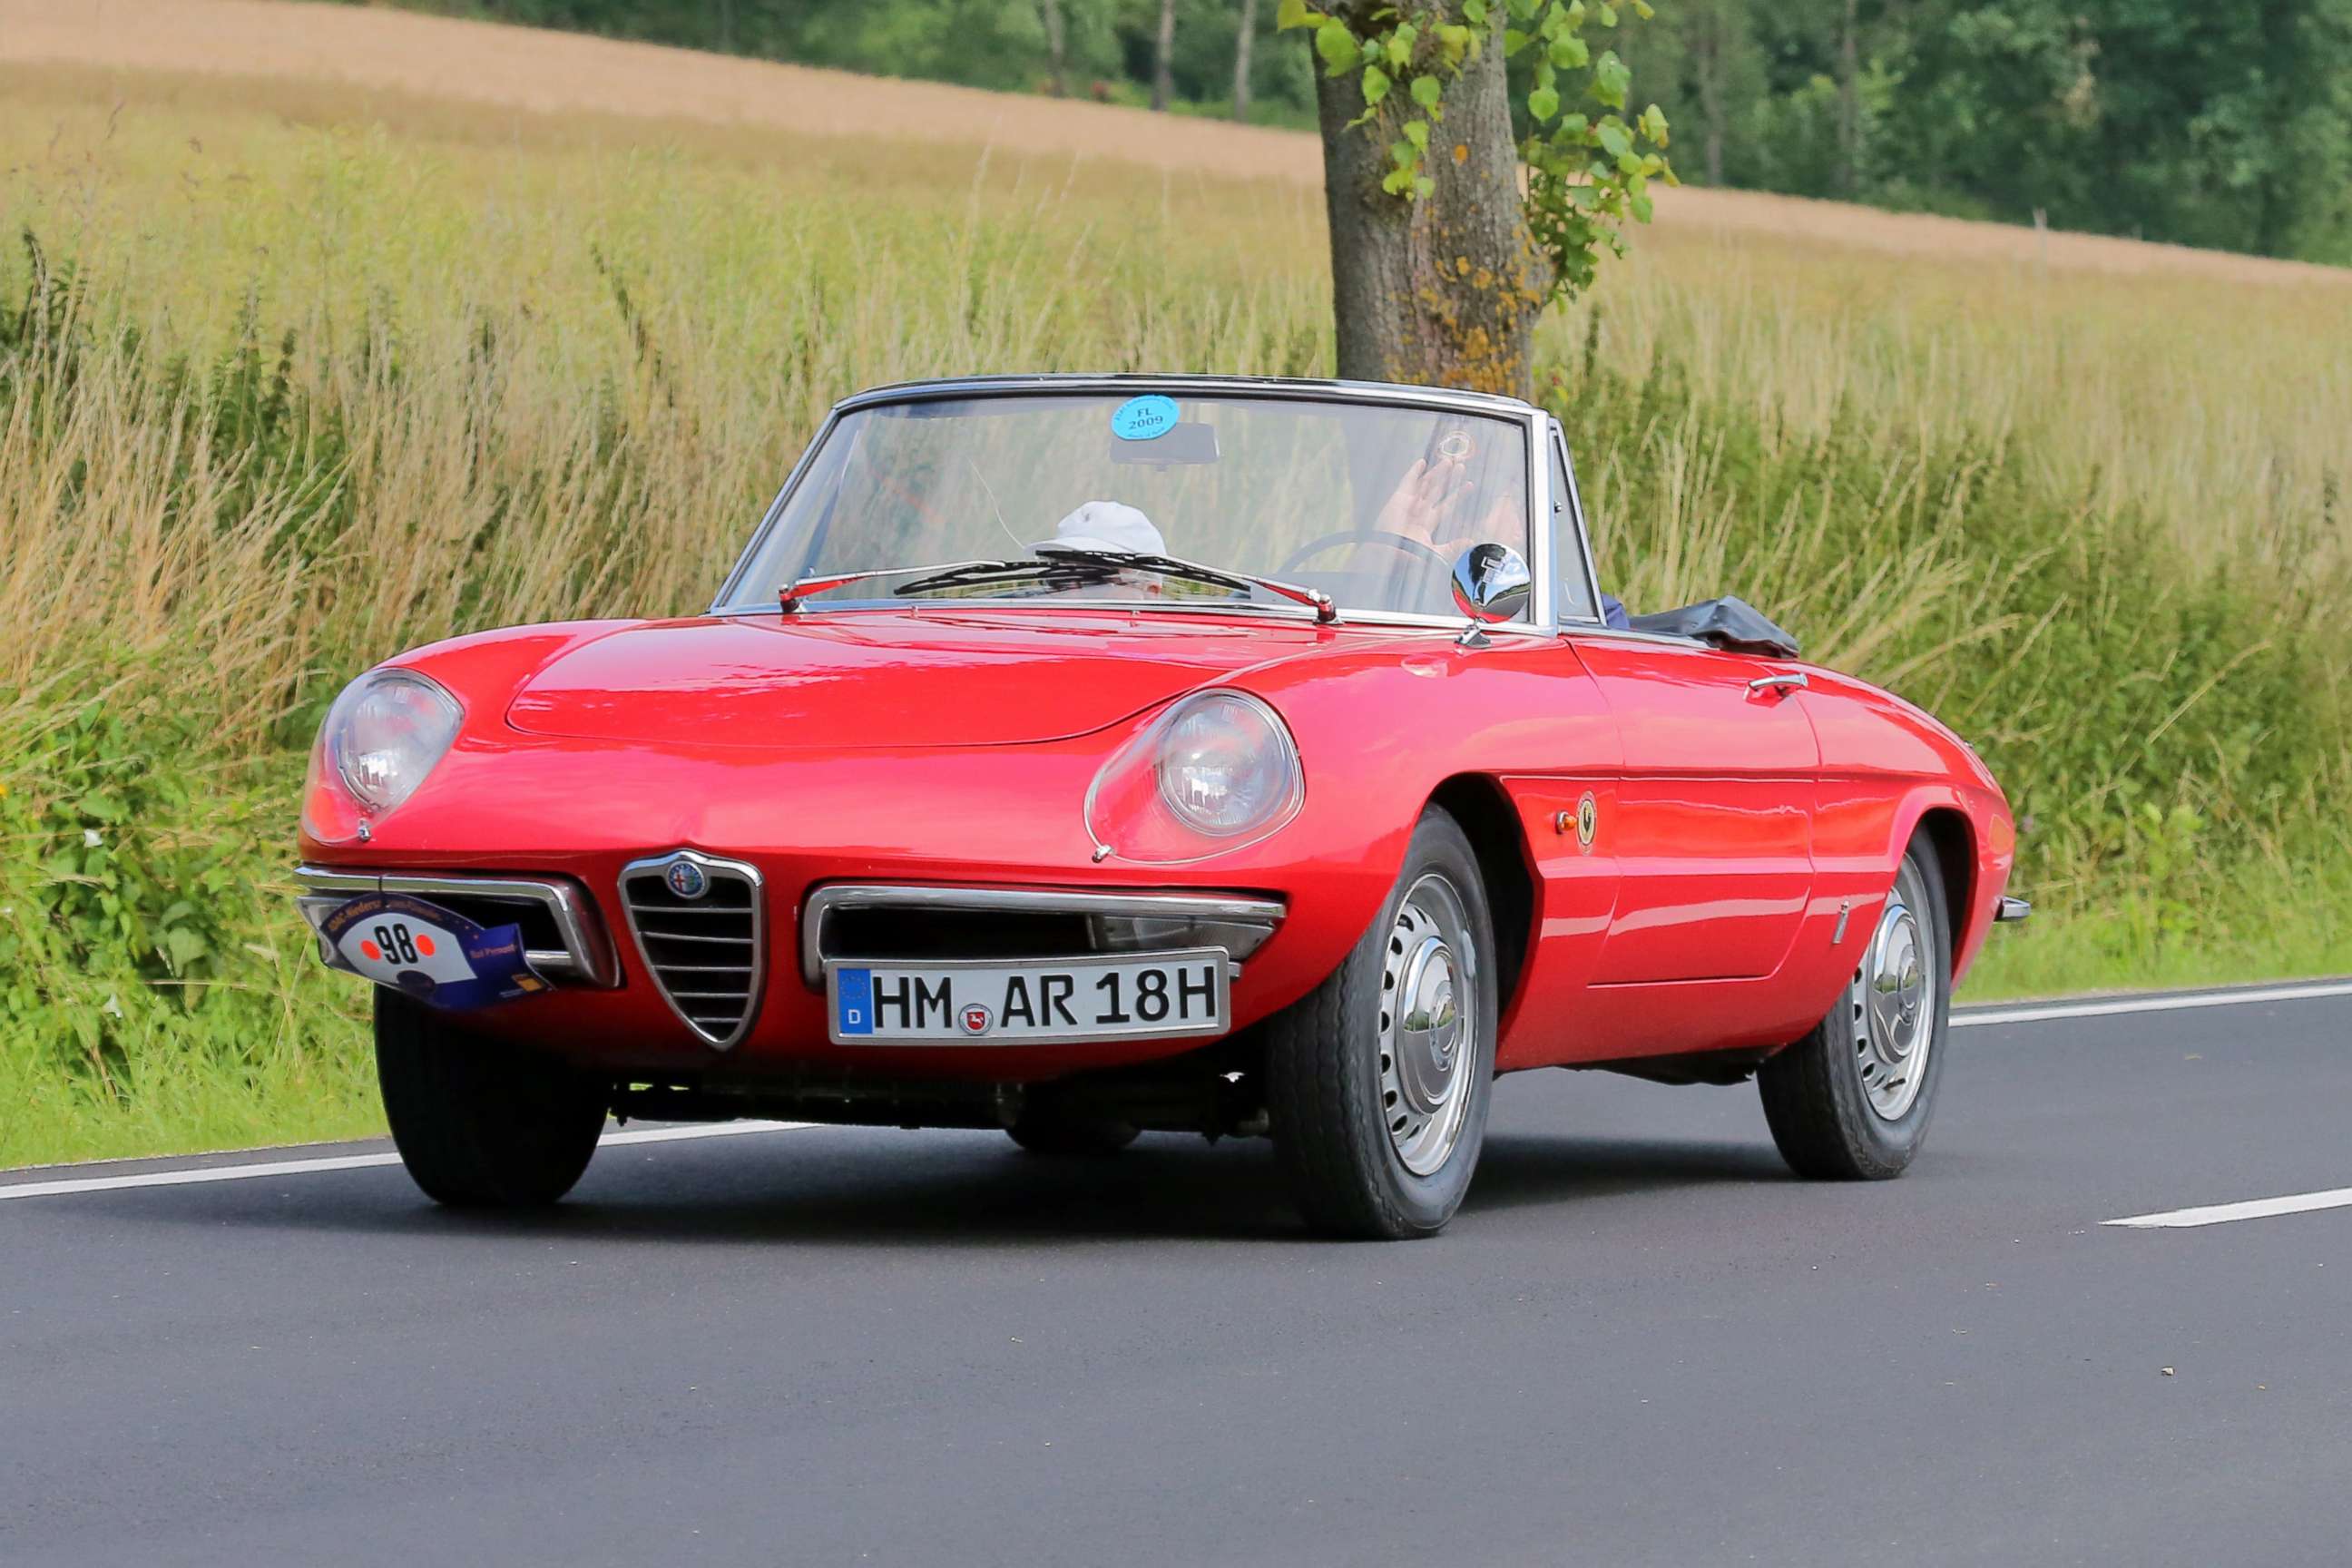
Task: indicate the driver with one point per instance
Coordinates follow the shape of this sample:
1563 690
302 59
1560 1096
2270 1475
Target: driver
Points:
1434 504
1437 510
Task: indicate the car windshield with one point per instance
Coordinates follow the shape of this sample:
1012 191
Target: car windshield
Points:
1366 503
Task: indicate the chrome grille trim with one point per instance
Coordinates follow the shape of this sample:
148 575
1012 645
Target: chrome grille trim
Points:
1263 913
584 955
719 1015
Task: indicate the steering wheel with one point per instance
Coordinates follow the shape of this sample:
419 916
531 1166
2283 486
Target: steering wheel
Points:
1403 544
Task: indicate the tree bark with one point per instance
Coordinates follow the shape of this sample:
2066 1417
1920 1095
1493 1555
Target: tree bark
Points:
1058 82
1849 116
1243 42
1707 61
1444 292
1163 56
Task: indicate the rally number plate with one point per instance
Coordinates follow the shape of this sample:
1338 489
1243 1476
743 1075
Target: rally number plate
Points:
1000 1002
434 954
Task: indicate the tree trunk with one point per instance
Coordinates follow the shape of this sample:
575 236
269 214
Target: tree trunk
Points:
1444 292
1058 82
1849 116
1242 40
1162 55
1707 61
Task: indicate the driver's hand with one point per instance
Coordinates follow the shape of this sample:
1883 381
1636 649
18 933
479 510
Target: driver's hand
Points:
1426 504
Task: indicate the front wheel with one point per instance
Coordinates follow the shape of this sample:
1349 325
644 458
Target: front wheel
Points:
479 1123
1377 1081
1850 1100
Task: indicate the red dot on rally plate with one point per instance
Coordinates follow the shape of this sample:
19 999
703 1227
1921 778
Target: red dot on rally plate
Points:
374 953
425 945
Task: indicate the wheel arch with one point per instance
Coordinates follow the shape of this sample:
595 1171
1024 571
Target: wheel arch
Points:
1483 809
1953 839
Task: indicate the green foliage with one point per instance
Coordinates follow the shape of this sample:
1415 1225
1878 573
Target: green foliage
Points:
1589 169
2185 121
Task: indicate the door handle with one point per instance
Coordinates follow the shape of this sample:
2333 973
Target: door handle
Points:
1778 684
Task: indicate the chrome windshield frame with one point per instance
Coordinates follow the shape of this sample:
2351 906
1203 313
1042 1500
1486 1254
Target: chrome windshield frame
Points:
1536 427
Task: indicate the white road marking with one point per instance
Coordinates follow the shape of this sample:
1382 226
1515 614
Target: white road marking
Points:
2100 1007
2221 1214
352 1161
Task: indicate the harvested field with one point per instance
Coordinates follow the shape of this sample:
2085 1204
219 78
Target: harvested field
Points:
522 67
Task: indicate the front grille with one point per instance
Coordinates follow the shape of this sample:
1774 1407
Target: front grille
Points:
919 934
705 949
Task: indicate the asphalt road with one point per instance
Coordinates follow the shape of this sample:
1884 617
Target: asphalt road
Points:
1641 1342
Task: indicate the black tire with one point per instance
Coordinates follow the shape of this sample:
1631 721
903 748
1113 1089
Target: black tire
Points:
1045 1128
1817 1093
479 1123
1326 1096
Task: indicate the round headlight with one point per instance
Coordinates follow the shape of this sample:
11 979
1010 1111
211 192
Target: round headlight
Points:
386 731
1225 763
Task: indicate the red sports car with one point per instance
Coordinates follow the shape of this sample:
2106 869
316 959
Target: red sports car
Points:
1077 755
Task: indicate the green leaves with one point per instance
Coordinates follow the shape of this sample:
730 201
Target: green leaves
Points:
1338 47
1586 173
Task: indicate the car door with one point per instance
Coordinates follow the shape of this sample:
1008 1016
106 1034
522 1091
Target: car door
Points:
1712 829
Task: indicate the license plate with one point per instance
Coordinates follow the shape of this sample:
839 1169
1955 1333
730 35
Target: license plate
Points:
1010 1002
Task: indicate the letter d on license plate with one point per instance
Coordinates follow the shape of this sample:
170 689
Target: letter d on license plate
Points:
1016 1002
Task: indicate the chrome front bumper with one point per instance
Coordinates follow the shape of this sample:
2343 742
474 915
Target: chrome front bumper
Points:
1239 925
581 953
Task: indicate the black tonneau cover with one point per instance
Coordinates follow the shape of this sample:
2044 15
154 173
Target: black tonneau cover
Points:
1733 625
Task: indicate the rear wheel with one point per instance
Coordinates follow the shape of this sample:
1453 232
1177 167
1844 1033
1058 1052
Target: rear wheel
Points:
479 1123
1850 1100
1378 1083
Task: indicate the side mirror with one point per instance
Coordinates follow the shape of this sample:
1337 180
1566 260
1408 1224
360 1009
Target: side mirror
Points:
1491 584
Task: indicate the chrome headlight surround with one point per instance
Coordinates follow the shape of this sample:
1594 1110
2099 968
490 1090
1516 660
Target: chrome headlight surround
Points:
1217 771
388 730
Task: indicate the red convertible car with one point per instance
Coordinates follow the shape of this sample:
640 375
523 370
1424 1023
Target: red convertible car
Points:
1083 755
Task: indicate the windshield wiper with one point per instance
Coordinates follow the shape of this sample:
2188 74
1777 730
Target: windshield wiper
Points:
1055 566
1217 576
790 598
1056 561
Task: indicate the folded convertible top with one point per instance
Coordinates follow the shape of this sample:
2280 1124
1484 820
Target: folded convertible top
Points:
1734 625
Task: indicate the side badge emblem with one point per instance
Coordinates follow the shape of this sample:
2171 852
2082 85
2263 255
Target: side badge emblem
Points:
687 880
1588 821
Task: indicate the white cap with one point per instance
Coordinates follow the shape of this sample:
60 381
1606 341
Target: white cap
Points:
1106 525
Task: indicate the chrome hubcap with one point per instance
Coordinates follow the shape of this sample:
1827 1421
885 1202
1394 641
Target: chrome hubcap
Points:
1429 1043
1894 1009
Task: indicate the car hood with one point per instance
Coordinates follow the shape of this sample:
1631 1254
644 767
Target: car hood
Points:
842 681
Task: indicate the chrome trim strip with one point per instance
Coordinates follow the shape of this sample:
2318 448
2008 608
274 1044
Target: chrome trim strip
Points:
583 954
1531 420
1190 384
1231 909
1583 533
775 510
756 989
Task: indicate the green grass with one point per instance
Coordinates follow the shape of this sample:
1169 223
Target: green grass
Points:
282 391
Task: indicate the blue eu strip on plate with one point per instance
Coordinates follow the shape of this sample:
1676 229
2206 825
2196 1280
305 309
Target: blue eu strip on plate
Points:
854 989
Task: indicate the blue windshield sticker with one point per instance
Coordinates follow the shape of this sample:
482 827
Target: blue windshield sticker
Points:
1144 418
